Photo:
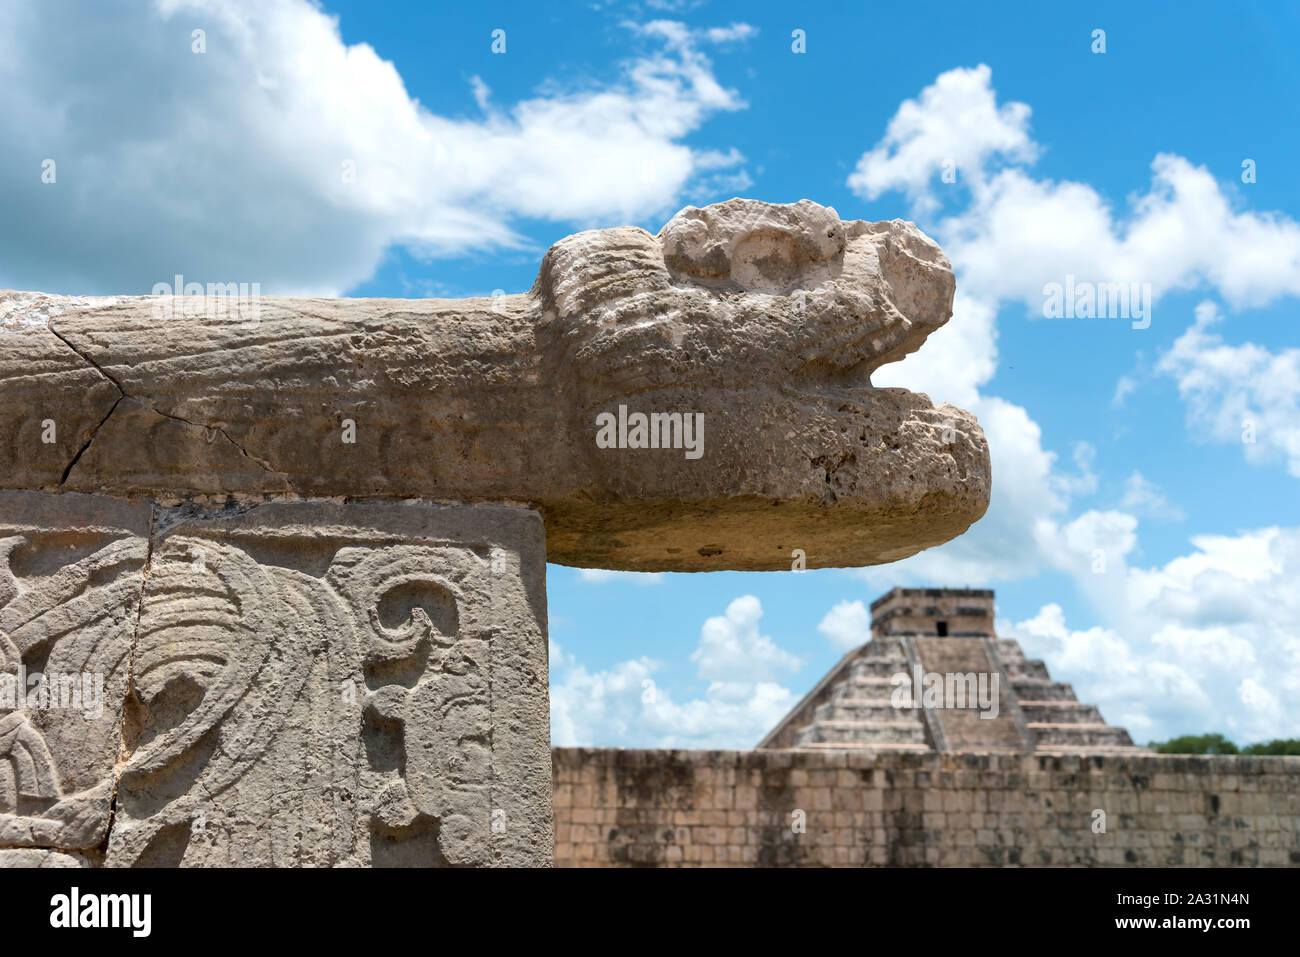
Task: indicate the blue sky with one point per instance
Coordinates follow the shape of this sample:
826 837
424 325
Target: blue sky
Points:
1116 165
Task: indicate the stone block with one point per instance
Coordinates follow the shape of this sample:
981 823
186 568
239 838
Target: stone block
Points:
281 684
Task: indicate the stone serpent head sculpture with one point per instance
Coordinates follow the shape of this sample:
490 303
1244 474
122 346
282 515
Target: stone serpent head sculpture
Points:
758 324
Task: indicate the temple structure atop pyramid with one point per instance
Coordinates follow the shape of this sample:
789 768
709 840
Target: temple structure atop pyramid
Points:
935 676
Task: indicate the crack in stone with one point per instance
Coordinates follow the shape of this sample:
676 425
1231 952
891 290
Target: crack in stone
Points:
63 480
123 394
262 463
122 757
91 362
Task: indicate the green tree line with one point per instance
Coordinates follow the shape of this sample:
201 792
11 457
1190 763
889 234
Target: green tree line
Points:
1218 744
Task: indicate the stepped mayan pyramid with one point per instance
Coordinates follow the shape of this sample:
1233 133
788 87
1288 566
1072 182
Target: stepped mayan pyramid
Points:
949 632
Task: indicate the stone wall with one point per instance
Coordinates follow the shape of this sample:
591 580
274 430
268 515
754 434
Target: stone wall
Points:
737 808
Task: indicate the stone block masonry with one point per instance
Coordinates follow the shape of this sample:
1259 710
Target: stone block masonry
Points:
616 808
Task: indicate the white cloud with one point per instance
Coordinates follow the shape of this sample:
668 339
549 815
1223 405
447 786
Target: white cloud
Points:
731 34
228 165
601 576
956 121
1018 232
1242 394
1142 497
1221 581
1109 532
958 359
1084 481
1125 386
1142 692
626 706
605 704
1183 233
731 647
1207 642
482 93
1263 704
1095 549
847 625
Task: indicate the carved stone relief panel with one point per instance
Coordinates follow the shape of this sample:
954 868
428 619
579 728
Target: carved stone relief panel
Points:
294 684
70 581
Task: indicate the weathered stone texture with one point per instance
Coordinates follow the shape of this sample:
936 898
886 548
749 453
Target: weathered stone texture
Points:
767 320
70 578
865 808
311 684
32 857
966 728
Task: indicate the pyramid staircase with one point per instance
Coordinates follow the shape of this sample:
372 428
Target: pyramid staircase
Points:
1057 719
943 631
859 713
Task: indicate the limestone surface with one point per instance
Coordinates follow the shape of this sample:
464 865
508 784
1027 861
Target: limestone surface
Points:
284 684
733 351
878 808
71 573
